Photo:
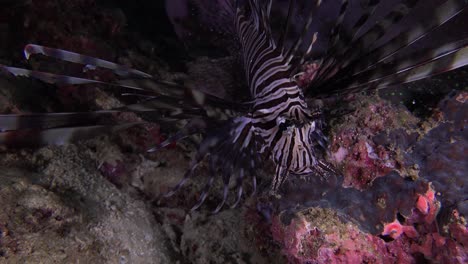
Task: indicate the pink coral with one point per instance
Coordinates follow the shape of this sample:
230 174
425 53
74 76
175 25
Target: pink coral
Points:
395 229
308 239
317 235
353 146
366 163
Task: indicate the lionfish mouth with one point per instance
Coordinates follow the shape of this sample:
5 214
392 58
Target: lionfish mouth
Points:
368 53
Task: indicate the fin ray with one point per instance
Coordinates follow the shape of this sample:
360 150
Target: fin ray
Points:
65 55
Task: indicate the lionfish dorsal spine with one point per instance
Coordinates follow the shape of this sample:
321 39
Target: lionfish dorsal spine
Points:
444 14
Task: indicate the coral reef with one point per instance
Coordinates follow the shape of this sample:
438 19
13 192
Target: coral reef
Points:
354 148
318 235
402 197
81 217
99 201
392 218
441 154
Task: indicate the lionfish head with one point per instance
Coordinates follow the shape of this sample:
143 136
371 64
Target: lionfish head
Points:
294 147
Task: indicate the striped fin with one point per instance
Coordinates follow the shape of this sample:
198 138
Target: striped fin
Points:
364 64
206 189
455 58
80 125
144 81
171 102
443 14
354 49
58 79
38 129
410 62
264 11
369 9
338 27
225 149
230 153
334 38
48 120
162 92
194 126
292 52
61 128
69 56
56 136
286 26
142 87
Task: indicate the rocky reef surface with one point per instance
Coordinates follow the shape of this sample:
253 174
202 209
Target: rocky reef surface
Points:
402 197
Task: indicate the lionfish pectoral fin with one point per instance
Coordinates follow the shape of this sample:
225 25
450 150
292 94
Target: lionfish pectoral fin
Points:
56 136
170 100
444 13
335 43
280 177
88 61
188 174
355 48
90 64
47 77
51 120
292 52
223 201
325 170
140 83
206 189
234 156
362 62
59 79
41 129
194 126
446 58
239 187
229 152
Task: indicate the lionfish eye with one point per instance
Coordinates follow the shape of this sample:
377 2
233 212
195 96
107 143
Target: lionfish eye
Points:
284 124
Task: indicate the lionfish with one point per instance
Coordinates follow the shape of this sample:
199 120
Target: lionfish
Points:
277 122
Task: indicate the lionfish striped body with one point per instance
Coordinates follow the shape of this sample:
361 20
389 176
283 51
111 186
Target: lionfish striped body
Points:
277 122
280 118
